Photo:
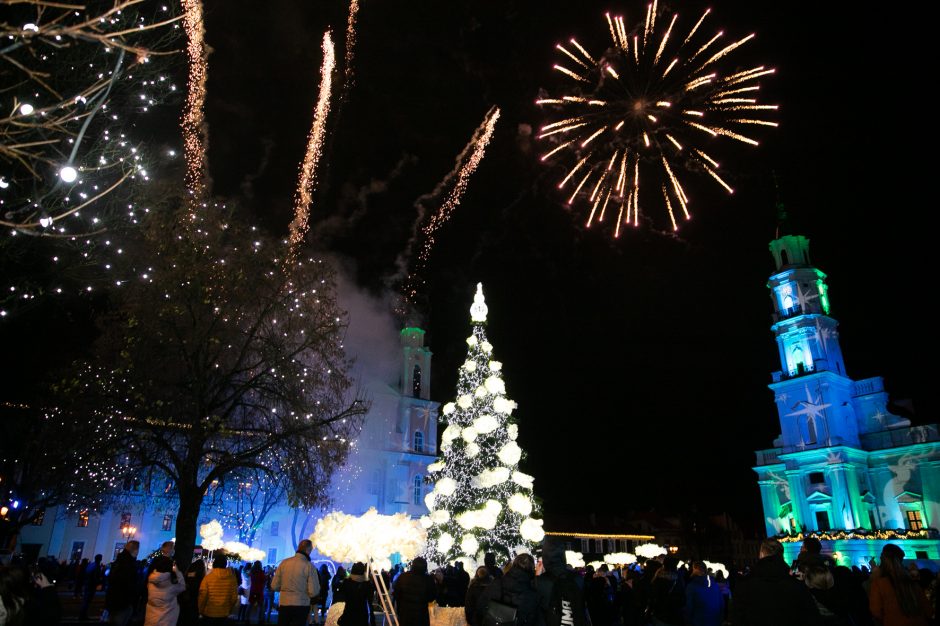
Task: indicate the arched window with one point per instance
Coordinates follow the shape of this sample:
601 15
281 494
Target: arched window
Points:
799 365
416 382
419 441
809 431
418 488
784 259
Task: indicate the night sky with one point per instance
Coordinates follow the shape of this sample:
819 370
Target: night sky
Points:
640 365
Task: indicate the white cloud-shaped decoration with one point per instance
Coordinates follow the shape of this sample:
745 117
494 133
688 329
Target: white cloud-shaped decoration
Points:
430 500
449 408
440 516
510 453
512 431
469 434
503 405
445 542
472 340
520 504
619 558
490 477
425 522
495 385
436 466
486 423
495 366
212 529
470 365
347 538
235 547
465 401
595 564
212 543
484 517
649 550
531 529
480 392
523 480
574 559
253 554
450 433
446 486
471 450
717 567
487 347
469 544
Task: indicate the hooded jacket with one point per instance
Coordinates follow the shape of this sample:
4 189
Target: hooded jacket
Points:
122 582
414 590
162 606
769 596
218 593
561 599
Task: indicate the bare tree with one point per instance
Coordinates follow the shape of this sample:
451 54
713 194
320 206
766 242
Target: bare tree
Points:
75 77
221 359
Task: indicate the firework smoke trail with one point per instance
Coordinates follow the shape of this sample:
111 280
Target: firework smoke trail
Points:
651 108
308 169
467 162
195 133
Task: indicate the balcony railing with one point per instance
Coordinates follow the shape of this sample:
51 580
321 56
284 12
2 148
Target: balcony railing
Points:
801 370
900 437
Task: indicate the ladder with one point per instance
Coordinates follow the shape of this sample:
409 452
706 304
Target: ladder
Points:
385 597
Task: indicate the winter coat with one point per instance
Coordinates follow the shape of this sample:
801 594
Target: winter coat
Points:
122 583
162 606
218 593
561 598
256 587
472 600
357 592
413 592
885 607
516 588
297 581
769 596
703 602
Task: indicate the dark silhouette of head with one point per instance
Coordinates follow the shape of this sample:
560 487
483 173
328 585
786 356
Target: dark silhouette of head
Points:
419 565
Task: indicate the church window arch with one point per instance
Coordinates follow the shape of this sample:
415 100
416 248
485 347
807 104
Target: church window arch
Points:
418 488
418 441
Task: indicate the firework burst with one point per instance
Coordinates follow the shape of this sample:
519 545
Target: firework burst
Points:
656 104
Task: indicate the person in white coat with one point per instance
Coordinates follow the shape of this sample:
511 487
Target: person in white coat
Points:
164 584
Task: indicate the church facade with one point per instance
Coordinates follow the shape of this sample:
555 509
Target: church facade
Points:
844 468
385 469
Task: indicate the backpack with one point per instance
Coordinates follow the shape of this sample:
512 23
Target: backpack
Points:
499 612
565 605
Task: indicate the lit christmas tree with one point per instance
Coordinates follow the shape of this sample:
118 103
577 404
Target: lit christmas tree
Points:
481 502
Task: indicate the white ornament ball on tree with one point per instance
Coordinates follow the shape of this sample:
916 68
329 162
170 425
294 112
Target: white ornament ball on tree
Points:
445 542
470 366
425 522
469 434
512 431
495 366
469 544
487 347
495 385
449 408
531 530
440 516
480 392
446 486
465 401
471 340
510 453
472 450
520 503
486 424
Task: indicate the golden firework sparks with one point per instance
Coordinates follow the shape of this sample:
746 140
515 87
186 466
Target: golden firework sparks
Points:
661 102
308 169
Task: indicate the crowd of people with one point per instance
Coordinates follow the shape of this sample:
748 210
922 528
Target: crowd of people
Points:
526 591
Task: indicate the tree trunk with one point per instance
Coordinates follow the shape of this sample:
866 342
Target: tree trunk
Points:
186 520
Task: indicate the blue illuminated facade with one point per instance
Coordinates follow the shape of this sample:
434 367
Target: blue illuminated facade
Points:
844 468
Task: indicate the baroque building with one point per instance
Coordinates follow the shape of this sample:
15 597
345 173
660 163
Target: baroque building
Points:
844 468
385 469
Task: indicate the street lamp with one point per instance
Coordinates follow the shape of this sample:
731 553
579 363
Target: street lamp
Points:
128 532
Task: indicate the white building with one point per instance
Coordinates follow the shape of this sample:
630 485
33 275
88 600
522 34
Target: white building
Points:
385 470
